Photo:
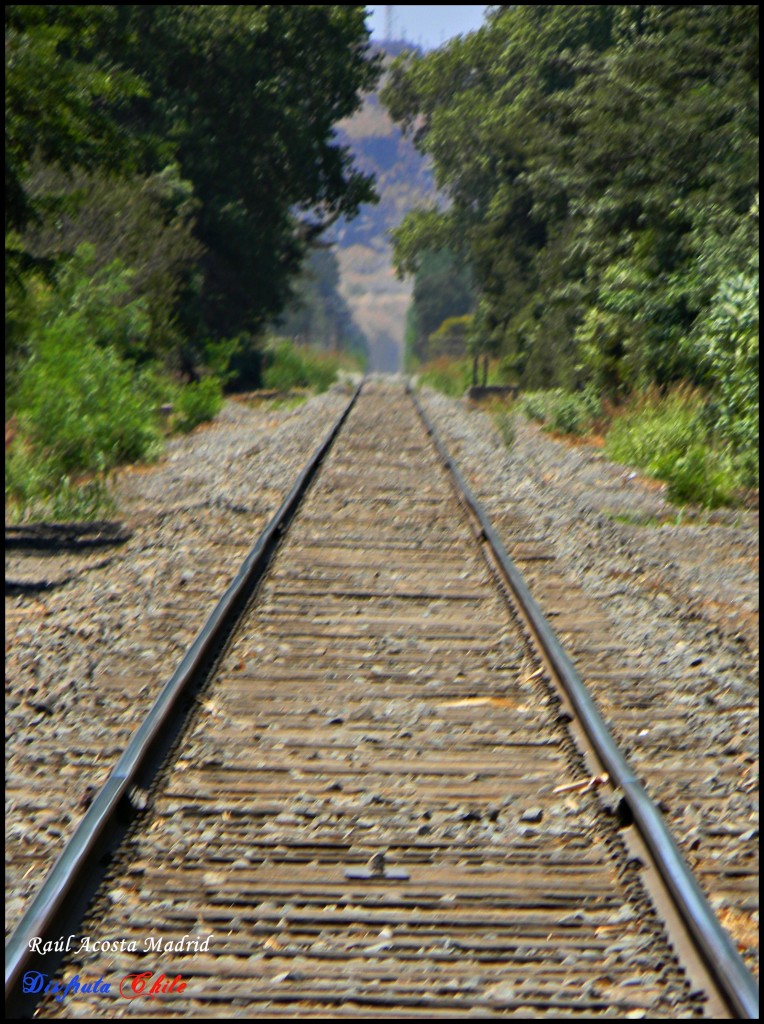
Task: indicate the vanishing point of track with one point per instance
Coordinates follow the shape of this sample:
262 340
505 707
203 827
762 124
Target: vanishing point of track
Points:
380 804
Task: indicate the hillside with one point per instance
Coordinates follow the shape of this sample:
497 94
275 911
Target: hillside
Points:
368 283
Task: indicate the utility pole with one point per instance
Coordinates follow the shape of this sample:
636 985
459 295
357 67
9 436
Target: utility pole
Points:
388 23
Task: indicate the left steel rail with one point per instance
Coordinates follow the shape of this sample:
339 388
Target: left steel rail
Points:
73 879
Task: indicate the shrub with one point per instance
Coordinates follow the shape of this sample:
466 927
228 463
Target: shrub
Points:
669 438
731 337
565 411
703 476
198 402
284 369
652 432
35 489
81 408
79 404
80 412
321 369
568 414
535 405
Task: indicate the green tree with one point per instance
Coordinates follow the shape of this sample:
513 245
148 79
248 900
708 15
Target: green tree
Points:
317 315
442 289
63 92
242 100
147 223
600 162
481 109
250 96
666 135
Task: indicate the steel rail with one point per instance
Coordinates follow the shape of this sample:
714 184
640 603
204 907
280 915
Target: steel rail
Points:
735 982
61 897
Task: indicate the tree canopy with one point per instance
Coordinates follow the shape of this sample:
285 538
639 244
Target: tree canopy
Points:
250 96
602 167
240 100
62 94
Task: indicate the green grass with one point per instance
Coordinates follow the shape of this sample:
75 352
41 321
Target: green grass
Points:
451 377
668 437
289 366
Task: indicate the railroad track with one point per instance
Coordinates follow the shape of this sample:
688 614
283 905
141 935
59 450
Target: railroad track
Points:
380 802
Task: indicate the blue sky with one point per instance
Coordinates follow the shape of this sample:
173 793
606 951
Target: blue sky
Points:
426 24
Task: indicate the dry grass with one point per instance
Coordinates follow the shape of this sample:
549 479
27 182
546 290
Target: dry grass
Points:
742 927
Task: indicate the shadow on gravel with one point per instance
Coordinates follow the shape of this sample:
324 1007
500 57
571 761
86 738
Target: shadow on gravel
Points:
16 588
57 538
43 556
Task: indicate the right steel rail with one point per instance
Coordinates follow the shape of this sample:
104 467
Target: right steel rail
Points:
735 982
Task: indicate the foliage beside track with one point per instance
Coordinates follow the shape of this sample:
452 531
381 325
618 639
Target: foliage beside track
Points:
79 405
168 170
563 411
669 436
289 366
677 436
601 164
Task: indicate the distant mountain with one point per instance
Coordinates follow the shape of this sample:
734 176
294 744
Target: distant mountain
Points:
376 298
402 175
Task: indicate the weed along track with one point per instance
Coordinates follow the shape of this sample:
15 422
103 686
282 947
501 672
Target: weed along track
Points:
380 804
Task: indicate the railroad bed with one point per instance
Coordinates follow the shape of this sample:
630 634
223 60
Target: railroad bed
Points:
364 814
